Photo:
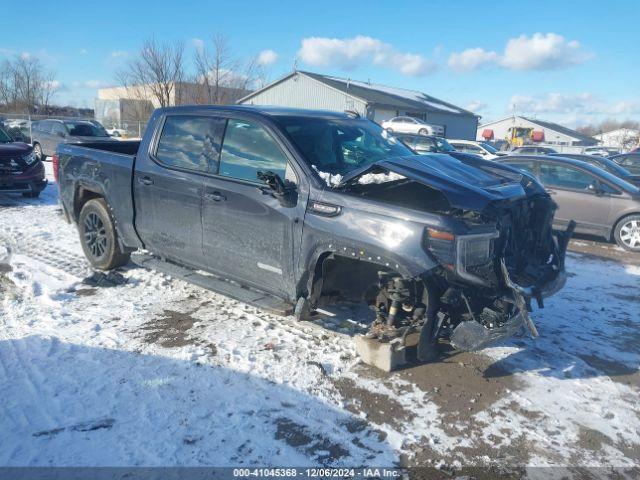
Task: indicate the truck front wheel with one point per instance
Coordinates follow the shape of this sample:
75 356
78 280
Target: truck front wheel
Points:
98 236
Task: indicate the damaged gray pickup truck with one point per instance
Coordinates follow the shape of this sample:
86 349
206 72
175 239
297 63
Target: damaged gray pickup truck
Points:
291 210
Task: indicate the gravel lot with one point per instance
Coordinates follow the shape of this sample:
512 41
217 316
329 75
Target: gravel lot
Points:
137 368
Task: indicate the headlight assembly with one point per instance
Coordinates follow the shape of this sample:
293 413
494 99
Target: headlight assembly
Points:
30 158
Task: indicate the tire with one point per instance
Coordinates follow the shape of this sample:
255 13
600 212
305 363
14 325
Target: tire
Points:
627 233
31 194
423 131
98 236
37 150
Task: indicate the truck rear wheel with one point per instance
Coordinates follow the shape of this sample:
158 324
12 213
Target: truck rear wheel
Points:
98 236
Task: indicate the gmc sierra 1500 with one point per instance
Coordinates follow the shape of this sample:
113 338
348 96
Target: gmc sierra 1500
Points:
300 206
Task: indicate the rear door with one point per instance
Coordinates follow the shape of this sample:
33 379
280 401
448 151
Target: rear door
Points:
248 235
168 185
57 136
572 189
44 135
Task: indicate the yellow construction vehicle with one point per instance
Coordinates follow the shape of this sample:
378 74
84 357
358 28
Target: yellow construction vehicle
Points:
519 136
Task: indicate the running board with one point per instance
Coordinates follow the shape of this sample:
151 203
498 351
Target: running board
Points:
258 299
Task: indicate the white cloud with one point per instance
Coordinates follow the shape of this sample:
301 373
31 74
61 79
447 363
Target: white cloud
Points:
476 106
25 55
471 59
54 85
541 51
198 43
580 105
351 53
94 84
119 53
267 57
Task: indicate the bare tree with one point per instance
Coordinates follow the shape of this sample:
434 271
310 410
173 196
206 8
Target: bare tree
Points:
25 84
224 77
155 73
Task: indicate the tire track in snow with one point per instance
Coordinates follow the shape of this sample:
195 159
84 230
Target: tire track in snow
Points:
53 256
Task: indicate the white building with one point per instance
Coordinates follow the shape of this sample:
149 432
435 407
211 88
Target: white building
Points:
548 133
622 138
376 102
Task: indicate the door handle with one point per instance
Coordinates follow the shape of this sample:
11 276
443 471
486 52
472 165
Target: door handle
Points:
215 196
145 180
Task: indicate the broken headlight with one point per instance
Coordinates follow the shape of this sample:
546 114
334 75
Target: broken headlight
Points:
30 158
476 251
473 251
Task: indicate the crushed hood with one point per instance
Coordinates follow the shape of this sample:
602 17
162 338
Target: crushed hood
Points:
470 184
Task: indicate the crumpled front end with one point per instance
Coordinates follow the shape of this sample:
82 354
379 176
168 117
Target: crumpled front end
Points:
510 257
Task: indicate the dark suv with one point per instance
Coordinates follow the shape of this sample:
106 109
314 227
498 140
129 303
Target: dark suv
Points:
20 170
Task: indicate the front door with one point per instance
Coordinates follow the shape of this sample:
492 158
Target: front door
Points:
168 186
572 189
247 234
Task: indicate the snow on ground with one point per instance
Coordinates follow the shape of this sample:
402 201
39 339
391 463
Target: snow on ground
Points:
137 368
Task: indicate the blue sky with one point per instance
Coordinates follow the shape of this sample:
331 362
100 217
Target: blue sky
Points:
574 62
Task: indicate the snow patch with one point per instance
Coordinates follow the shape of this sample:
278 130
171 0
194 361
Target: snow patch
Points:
380 178
331 180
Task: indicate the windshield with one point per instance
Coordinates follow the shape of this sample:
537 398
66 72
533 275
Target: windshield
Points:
612 167
488 148
338 146
85 129
444 146
4 137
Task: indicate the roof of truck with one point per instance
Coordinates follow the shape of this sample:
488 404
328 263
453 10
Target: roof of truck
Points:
259 109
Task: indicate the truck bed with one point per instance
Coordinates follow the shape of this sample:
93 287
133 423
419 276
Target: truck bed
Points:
125 147
104 168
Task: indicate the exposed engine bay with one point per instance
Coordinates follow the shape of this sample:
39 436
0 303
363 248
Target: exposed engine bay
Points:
487 277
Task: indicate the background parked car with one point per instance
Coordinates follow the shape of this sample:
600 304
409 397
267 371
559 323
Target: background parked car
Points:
601 151
604 163
20 170
533 150
18 130
629 161
412 125
600 203
48 134
426 143
116 132
486 151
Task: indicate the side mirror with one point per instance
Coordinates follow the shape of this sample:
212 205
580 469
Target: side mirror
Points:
61 134
282 190
433 149
594 187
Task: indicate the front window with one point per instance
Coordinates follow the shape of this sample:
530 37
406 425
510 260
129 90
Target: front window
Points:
489 148
443 145
338 146
554 175
247 149
85 129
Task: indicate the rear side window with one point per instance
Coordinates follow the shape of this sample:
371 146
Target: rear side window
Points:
562 176
248 149
190 142
527 167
